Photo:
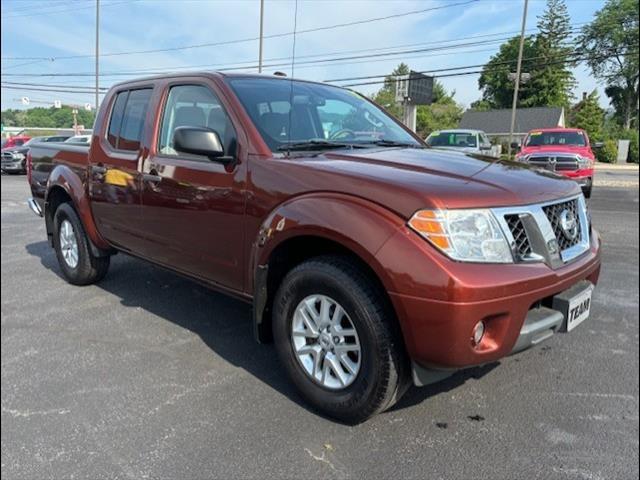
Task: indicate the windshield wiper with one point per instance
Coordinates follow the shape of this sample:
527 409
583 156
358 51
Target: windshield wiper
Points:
313 145
393 143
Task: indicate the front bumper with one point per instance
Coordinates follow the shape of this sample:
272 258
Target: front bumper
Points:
12 166
514 301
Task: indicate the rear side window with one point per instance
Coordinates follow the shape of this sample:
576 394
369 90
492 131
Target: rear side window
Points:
127 119
116 119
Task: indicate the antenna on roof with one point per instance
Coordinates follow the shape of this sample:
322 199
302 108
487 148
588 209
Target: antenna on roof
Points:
293 65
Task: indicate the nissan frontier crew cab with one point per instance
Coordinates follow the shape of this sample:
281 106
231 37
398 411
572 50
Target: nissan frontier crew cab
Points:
371 261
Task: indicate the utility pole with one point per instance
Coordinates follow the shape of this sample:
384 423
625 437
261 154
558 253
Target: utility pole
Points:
75 121
517 84
410 115
97 51
261 28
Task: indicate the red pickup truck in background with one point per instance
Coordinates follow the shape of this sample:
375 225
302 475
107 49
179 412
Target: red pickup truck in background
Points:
369 259
566 151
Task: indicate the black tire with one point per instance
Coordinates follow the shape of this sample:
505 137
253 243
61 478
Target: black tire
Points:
587 191
89 268
383 375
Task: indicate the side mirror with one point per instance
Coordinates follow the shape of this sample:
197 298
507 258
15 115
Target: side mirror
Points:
199 141
598 145
515 146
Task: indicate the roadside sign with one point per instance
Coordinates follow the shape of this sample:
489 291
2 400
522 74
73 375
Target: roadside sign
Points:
25 100
87 107
414 89
57 104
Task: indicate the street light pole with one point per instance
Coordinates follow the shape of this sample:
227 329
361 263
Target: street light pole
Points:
261 28
517 84
97 50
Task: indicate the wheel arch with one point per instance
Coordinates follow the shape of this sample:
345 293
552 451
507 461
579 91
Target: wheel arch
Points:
64 185
312 226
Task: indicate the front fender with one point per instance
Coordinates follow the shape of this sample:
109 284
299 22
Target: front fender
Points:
64 177
355 224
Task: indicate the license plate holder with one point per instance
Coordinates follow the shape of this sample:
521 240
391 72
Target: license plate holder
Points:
575 305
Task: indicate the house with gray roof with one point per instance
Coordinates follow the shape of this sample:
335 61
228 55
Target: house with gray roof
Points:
496 123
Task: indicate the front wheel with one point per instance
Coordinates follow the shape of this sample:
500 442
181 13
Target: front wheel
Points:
78 264
338 340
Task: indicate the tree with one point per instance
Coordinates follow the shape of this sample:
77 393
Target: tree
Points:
553 81
386 96
444 112
546 57
497 88
47 117
610 42
588 116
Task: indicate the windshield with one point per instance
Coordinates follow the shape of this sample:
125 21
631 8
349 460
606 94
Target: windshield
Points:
320 113
452 139
34 140
540 139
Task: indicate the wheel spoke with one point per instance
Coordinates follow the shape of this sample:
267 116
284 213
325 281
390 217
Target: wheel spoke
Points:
345 332
309 323
338 370
325 306
351 367
336 318
346 347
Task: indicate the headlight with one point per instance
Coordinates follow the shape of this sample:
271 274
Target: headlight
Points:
583 161
523 158
17 156
464 235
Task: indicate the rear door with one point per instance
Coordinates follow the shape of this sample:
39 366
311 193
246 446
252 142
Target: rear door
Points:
114 177
192 206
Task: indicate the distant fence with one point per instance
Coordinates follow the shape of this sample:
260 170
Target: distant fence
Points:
13 131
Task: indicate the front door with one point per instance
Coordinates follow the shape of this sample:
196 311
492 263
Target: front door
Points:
192 206
114 177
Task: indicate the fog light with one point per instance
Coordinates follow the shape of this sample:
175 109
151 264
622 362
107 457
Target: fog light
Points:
478 333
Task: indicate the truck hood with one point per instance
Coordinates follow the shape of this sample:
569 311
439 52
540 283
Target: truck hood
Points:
548 149
406 179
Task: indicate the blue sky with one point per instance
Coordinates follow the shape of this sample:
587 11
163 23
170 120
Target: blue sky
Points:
55 28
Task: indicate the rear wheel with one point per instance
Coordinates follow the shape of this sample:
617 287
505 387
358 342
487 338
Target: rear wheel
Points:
336 338
78 264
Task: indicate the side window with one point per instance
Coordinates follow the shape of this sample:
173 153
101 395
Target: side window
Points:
116 119
194 106
135 113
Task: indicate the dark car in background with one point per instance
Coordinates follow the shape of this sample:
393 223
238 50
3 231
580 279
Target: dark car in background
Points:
14 159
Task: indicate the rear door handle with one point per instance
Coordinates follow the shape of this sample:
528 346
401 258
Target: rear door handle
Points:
151 177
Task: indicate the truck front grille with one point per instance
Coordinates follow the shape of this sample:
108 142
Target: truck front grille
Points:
522 244
554 214
555 163
554 233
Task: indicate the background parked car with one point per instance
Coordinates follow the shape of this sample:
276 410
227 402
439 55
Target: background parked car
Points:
467 141
14 159
15 141
83 139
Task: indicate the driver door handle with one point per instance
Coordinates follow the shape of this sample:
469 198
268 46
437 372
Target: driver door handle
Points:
151 177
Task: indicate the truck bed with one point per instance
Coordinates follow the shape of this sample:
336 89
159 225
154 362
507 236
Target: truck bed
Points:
45 156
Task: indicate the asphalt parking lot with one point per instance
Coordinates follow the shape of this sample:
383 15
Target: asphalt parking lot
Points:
147 375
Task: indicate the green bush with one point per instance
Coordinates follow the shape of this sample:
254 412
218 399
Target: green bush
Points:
608 153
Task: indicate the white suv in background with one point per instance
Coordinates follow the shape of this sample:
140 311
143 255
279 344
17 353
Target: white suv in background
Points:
460 140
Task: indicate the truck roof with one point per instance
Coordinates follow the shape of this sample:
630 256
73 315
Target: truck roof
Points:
212 73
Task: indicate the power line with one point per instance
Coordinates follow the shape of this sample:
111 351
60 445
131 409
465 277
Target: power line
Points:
56 12
276 35
476 72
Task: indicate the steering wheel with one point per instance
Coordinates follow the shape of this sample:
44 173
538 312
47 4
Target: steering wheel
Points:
344 133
